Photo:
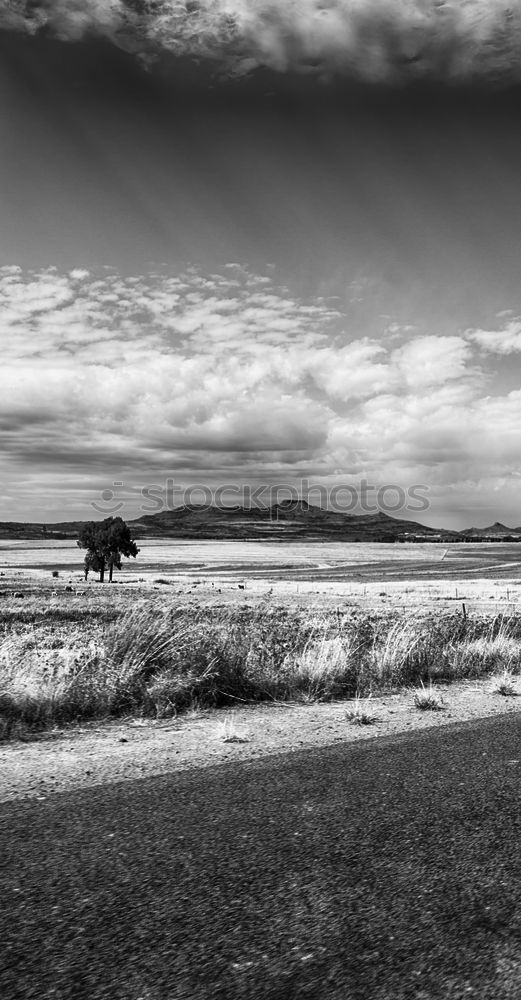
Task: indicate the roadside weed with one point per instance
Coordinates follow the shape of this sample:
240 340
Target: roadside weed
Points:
160 659
229 732
504 684
361 714
427 699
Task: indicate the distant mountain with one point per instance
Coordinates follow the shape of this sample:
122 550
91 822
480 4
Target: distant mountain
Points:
287 519
494 530
29 529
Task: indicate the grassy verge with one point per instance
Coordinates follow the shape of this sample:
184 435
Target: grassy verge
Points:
160 661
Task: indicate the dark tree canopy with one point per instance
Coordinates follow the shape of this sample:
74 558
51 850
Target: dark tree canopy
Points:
106 542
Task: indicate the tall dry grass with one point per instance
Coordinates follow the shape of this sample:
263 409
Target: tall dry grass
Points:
158 662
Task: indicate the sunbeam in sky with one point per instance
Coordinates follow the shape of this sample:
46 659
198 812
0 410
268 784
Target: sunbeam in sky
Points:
252 242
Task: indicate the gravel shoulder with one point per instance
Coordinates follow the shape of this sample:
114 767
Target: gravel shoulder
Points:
107 752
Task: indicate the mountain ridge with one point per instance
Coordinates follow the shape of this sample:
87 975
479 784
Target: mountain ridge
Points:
497 528
287 519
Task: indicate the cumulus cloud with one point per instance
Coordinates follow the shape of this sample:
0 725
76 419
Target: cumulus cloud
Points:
426 361
376 40
166 364
505 341
451 440
229 376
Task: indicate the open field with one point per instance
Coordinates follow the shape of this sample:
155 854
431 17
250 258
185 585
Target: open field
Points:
212 625
273 560
296 573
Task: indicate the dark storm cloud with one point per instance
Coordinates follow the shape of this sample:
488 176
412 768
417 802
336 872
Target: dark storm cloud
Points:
372 40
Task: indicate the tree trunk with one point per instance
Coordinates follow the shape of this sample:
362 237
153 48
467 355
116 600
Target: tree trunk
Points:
111 567
102 572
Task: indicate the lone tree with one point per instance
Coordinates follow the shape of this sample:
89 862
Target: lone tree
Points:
106 542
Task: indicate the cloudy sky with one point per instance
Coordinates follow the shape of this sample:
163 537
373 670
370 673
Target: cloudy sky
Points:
254 242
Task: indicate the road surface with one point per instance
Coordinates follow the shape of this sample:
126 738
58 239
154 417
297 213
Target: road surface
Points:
382 870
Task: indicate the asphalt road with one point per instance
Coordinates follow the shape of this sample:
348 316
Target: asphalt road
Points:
389 869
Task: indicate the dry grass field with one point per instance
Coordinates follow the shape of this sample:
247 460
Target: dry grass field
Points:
291 572
207 625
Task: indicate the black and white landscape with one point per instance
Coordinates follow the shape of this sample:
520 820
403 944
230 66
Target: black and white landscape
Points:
250 242
260 520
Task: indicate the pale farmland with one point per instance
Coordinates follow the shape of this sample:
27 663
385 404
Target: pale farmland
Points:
292 572
207 625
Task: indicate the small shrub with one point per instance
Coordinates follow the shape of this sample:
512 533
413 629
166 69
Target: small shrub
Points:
170 693
360 714
481 655
325 669
229 732
505 685
427 699
55 574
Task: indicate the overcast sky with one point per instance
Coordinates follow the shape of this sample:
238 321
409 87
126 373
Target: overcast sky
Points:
247 242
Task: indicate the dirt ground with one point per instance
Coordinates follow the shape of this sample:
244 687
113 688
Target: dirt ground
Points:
131 749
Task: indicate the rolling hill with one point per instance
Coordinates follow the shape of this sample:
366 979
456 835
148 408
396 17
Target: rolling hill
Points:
287 519
496 530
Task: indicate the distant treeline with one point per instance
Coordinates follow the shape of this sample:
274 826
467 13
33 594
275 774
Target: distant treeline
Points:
451 539
302 535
